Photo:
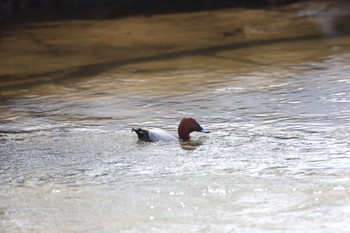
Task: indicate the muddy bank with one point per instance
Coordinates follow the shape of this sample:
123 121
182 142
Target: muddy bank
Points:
36 53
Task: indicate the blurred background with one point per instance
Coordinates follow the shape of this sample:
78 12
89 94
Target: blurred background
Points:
102 9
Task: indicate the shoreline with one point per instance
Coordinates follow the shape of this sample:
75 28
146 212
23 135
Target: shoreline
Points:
48 51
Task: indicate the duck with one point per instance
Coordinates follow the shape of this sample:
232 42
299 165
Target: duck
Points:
186 126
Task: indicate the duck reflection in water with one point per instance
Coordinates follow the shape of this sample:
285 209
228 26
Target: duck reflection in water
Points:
191 145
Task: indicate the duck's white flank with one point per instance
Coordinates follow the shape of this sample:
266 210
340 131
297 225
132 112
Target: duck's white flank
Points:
157 135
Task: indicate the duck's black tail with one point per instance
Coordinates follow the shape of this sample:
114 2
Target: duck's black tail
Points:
142 134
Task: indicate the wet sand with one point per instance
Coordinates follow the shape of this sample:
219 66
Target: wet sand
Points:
35 53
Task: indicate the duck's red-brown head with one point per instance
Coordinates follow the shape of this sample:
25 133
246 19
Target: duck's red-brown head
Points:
187 126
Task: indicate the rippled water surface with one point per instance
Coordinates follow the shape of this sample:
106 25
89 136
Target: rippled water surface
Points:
277 158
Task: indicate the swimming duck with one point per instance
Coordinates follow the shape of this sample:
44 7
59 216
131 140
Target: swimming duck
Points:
186 126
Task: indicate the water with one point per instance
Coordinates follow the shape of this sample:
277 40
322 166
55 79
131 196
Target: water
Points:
277 158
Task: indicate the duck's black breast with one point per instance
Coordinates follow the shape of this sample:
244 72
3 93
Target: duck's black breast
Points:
142 134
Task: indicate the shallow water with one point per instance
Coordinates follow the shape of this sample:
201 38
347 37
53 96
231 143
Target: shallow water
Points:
277 158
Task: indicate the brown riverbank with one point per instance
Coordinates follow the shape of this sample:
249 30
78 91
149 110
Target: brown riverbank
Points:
33 53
